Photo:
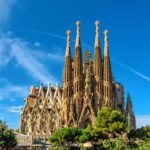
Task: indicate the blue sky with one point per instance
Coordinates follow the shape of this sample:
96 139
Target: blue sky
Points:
32 47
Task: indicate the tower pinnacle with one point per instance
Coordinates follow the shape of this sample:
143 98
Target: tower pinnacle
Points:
78 71
129 103
130 114
97 34
78 34
106 52
107 74
68 53
97 68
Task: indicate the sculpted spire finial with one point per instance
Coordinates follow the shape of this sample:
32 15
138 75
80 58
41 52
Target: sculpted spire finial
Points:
106 53
97 34
49 84
68 43
57 84
78 34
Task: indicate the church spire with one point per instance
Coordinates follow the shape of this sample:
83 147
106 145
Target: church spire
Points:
129 104
107 74
130 117
97 67
67 74
106 49
97 53
68 53
78 72
78 44
97 42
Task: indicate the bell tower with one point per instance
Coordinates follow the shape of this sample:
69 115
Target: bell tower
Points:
67 78
78 71
97 69
107 74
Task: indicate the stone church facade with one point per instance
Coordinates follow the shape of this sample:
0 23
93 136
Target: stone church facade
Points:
87 86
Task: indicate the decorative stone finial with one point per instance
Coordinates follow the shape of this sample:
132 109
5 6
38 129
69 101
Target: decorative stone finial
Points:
41 84
68 43
96 22
78 23
106 53
68 32
57 84
78 34
106 32
49 84
97 34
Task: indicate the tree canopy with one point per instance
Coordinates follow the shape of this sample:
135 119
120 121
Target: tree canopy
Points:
140 133
111 120
65 135
110 131
7 138
107 121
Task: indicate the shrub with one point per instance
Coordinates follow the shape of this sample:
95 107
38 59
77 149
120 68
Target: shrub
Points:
65 135
7 137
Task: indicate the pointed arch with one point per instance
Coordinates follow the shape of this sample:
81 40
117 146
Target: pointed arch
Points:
71 122
87 117
87 122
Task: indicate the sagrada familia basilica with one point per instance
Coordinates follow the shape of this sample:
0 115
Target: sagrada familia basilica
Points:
87 86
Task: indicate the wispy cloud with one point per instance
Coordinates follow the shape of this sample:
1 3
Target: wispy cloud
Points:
63 37
37 44
142 120
28 62
5 54
21 51
41 55
5 9
15 109
10 91
137 73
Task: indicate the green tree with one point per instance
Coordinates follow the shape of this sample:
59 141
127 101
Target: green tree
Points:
65 135
87 134
142 133
111 121
117 122
119 144
107 144
7 137
103 118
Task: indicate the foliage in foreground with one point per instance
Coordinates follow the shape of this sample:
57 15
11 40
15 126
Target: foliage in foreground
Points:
108 121
110 132
111 121
142 133
7 138
65 135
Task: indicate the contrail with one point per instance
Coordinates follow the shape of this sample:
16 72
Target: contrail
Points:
137 73
54 35
132 70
